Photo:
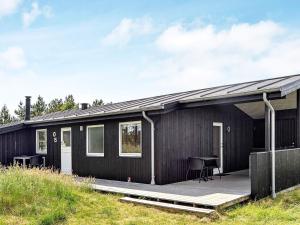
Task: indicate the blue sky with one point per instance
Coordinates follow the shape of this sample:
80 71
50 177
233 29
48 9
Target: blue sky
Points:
122 50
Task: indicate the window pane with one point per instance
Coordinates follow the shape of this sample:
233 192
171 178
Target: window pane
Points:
95 140
42 146
131 138
42 135
67 138
41 141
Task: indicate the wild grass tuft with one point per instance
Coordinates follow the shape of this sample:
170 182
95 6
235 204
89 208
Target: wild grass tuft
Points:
45 197
285 209
40 196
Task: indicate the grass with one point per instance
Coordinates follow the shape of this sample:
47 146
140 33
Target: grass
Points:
44 197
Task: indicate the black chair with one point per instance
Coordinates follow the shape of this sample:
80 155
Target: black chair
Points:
196 164
37 161
213 164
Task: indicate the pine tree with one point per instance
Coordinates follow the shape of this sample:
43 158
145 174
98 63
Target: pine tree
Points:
69 103
97 102
5 116
39 108
55 105
20 111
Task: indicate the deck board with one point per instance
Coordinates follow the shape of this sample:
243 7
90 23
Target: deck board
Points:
201 211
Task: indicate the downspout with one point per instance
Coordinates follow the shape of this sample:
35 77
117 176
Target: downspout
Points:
272 142
152 147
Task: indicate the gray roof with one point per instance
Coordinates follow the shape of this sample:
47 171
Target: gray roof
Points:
9 127
284 84
14 123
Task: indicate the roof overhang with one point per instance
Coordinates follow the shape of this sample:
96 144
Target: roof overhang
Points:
12 128
233 99
256 110
95 117
289 88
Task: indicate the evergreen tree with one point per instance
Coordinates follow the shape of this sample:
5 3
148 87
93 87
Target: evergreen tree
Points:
20 111
69 103
39 108
5 116
55 105
97 102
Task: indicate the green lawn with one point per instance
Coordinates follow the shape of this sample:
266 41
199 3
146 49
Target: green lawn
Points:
45 197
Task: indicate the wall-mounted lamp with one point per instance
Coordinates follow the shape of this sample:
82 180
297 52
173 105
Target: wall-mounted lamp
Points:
228 129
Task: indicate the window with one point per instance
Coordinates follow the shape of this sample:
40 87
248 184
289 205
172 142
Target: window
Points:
41 141
95 140
130 139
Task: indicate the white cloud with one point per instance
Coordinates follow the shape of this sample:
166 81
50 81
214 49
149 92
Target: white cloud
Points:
205 56
127 29
12 59
244 37
35 12
13 73
8 7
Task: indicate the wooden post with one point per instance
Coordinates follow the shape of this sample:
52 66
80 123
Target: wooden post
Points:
267 128
298 120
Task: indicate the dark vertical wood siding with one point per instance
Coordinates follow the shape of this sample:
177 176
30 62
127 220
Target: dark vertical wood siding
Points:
188 132
53 148
287 172
111 166
14 144
285 132
178 135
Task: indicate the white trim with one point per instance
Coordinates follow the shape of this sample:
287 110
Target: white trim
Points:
87 142
37 151
61 139
133 155
66 129
218 124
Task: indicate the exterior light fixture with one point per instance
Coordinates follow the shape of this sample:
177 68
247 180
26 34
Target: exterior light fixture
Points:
228 129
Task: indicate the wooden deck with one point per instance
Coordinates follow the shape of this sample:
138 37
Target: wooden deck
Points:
231 189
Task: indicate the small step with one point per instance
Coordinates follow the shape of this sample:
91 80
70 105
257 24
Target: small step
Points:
163 205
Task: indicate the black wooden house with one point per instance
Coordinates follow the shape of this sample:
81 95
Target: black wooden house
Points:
150 139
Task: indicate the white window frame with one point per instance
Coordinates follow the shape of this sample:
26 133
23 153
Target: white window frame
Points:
134 155
87 141
37 142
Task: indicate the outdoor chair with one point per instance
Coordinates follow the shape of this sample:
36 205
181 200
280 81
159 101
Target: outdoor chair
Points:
196 164
37 161
213 164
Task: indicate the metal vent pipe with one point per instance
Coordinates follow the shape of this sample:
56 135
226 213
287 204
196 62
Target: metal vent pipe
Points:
27 107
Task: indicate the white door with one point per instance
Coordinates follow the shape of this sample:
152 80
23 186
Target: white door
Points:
218 144
66 150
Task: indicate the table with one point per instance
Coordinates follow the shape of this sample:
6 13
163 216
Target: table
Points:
23 158
208 158
26 157
209 161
